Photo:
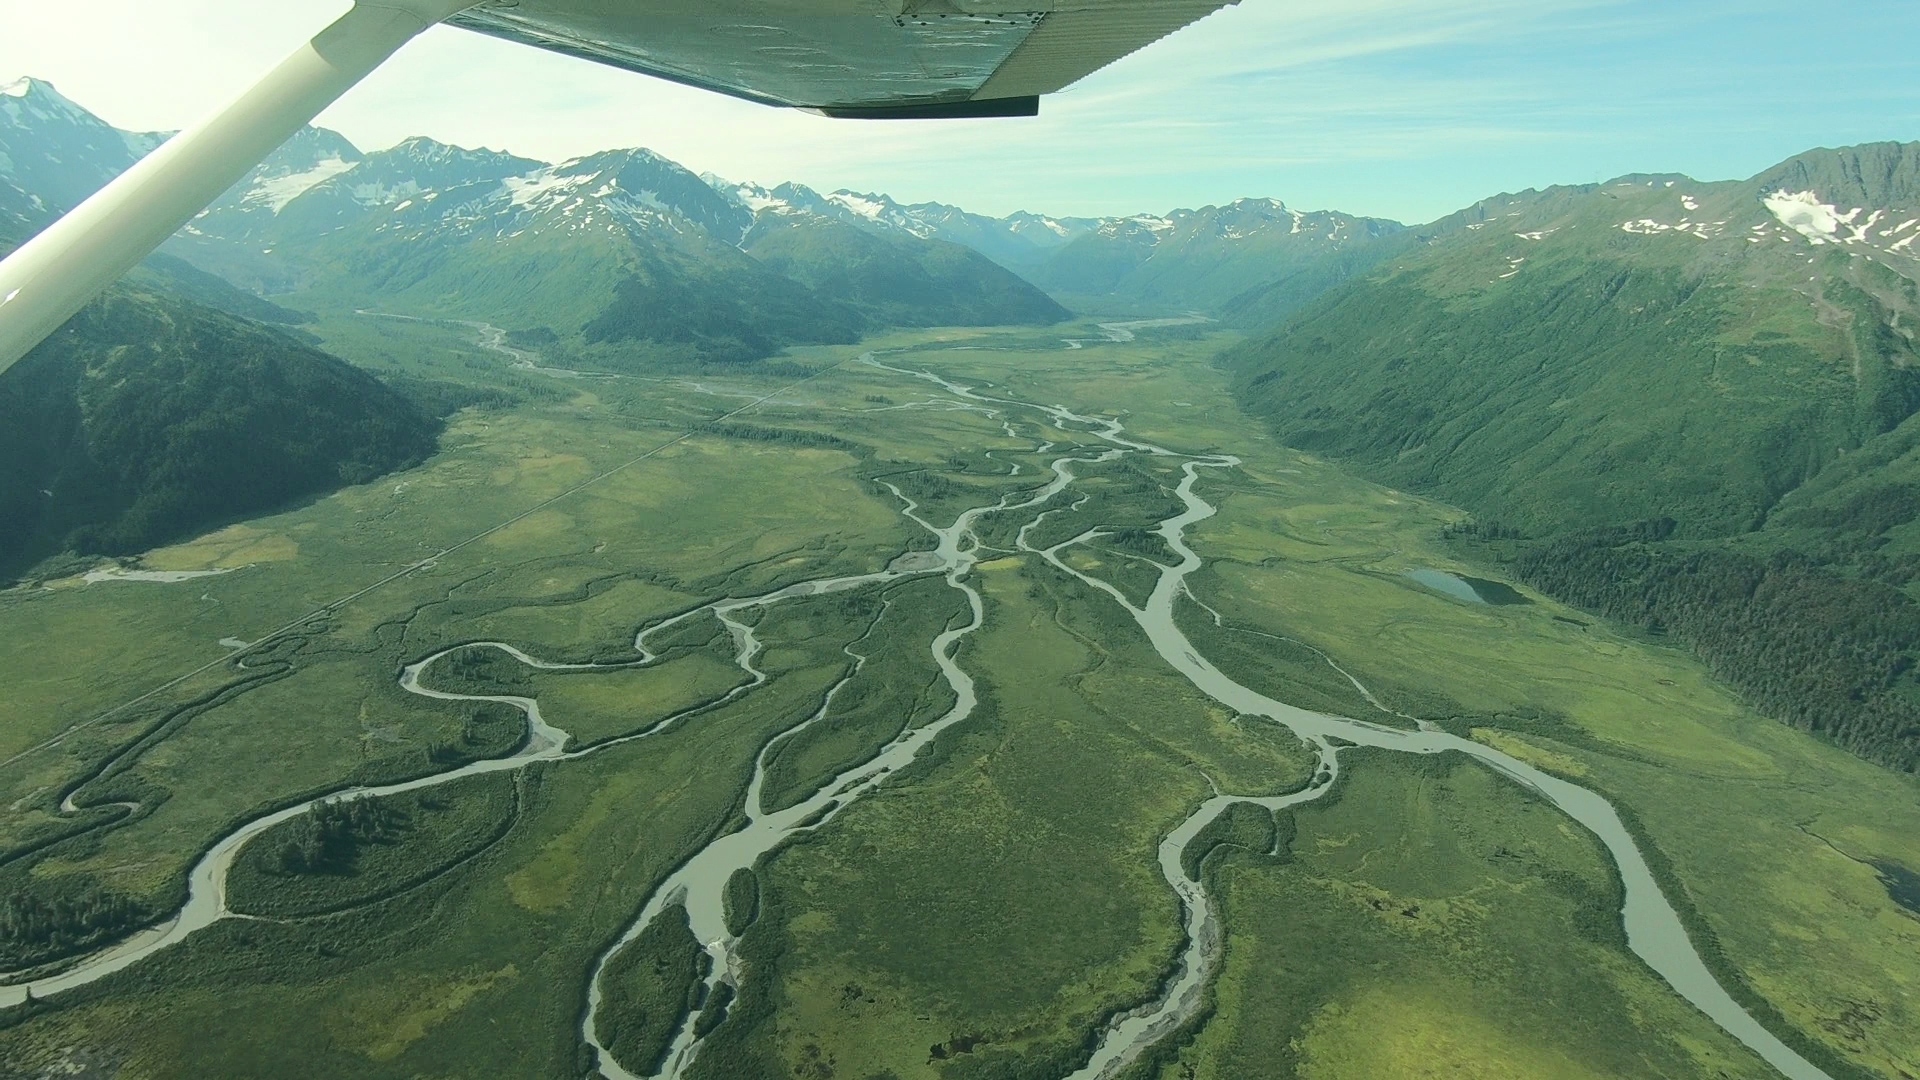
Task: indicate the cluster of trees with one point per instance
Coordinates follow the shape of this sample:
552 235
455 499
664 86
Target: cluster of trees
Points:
35 929
444 397
922 486
1146 543
816 440
484 670
1474 530
488 731
1142 494
1244 825
1825 652
329 837
651 985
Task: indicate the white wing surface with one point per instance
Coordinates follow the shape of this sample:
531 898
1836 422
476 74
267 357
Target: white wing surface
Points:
852 58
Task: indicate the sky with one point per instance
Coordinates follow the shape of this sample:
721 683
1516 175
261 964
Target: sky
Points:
1407 109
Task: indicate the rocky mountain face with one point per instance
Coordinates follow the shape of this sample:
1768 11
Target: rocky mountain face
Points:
53 154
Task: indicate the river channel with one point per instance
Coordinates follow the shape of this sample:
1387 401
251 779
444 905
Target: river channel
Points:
1654 930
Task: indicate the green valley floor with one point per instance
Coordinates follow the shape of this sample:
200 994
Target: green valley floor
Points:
796 736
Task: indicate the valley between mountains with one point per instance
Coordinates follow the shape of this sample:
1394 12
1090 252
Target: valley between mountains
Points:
479 617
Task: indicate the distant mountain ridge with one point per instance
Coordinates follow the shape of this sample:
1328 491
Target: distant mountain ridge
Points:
1251 261
621 250
286 227
1254 260
1022 242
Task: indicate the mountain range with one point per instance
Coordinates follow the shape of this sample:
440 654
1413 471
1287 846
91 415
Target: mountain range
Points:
589 247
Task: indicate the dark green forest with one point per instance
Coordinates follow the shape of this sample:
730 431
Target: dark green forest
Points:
1801 640
39 926
719 318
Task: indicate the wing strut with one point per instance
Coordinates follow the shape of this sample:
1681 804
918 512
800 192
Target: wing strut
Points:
56 273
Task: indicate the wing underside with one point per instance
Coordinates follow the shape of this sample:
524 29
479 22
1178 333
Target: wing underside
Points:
855 58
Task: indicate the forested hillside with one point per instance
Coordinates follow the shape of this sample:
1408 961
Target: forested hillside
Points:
1687 406
895 281
149 417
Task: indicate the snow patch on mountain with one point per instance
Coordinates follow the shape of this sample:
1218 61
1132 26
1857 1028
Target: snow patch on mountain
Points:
1821 222
142 143
1703 230
543 187
1804 213
1148 222
756 198
864 205
277 192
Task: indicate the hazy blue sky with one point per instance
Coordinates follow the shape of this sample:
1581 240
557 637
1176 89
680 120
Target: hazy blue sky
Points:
1399 108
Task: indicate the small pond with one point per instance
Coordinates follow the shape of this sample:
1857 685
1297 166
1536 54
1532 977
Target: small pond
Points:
1903 885
1471 589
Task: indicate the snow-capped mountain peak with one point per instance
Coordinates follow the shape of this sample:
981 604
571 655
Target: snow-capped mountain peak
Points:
36 98
1018 240
54 153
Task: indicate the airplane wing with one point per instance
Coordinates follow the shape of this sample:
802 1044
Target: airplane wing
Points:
871 59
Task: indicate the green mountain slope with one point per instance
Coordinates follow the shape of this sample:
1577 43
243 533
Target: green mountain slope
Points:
1554 369
1732 363
673 308
897 281
148 417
